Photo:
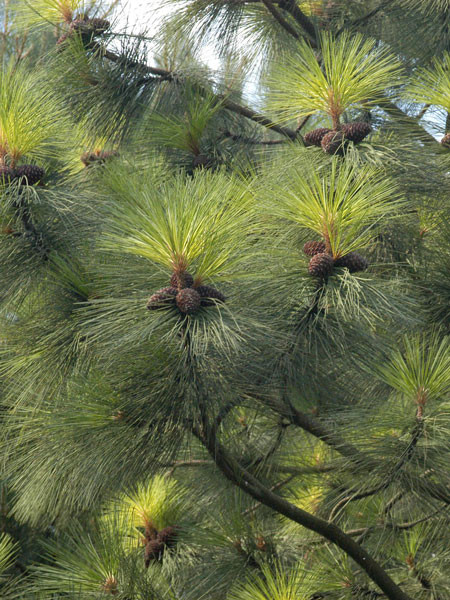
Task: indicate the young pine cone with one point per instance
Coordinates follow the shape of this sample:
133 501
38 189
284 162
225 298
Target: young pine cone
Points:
333 142
181 280
312 248
208 294
188 301
153 550
168 536
356 132
29 174
314 137
162 298
353 261
321 265
446 140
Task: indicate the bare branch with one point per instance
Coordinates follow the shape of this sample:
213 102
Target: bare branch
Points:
221 98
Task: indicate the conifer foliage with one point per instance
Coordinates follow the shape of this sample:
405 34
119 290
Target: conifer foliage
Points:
224 310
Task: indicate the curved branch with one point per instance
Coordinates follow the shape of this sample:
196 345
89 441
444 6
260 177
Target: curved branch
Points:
223 99
250 485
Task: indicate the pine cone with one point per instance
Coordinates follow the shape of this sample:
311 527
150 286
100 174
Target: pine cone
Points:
168 536
88 158
321 265
353 261
446 140
356 132
100 25
29 174
154 550
201 161
90 27
314 137
312 248
7 174
162 298
188 301
209 294
181 280
333 142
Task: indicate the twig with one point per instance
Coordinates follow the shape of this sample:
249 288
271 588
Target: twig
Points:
365 17
415 436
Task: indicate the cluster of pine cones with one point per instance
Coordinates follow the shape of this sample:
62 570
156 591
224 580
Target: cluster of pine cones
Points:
25 174
157 541
184 294
322 264
87 28
333 142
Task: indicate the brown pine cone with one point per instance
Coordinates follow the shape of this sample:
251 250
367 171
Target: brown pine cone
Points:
446 140
168 536
88 158
321 265
356 132
7 174
162 298
333 142
29 174
90 26
312 248
181 280
153 550
201 161
209 294
314 137
353 261
188 301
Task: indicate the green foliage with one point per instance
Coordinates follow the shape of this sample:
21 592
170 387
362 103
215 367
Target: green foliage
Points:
199 224
341 202
8 550
32 120
284 431
432 84
274 584
352 72
422 371
40 13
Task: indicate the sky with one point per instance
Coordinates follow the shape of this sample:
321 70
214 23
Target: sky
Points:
145 15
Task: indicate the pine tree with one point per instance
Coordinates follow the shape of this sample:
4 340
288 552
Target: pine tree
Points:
224 311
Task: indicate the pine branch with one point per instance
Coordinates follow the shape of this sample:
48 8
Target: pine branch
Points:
293 9
249 484
273 488
279 17
396 526
223 99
